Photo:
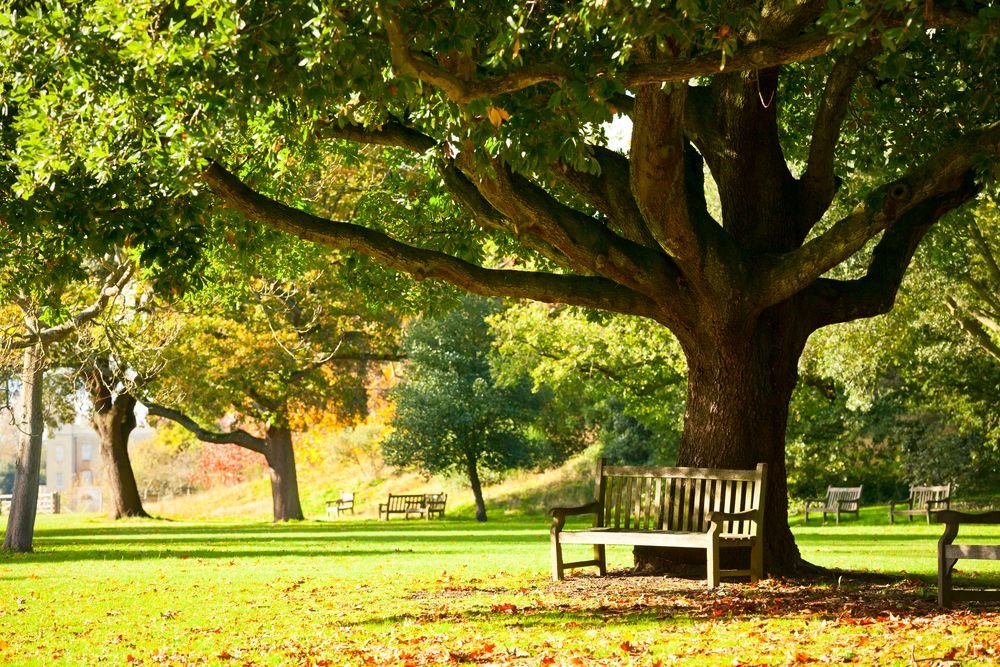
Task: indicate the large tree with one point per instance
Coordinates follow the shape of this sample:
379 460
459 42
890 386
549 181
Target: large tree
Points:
836 135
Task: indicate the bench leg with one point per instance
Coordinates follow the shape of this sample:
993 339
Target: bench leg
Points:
712 558
756 561
601 558
557 559
945 567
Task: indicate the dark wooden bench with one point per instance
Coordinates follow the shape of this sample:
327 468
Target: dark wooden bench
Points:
410 504
922 501
839 500
696 508
343 503
949 554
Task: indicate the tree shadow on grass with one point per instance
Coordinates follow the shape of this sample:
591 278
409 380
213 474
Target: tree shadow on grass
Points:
625 600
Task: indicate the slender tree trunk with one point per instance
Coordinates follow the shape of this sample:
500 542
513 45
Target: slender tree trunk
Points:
471 467
284 479
114 420
21 520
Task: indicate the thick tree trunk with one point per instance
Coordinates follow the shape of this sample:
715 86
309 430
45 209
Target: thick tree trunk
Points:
114 420
114 425
284 479
472 469
736 415
21 520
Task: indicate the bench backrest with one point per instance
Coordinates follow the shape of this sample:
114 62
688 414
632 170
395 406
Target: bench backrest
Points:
920 495
661 498
850 496
400 502
436 501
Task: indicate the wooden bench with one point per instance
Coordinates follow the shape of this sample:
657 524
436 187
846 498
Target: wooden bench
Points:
949 554
47 503
922 501
695 508
839 500
343 503
435 504
419 504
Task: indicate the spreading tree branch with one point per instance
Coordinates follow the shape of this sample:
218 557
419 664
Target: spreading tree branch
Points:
973 326
113 285
941 177
593 292
833 301
819 182
237 437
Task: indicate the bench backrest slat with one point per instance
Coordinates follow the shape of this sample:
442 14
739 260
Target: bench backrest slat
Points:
920 495
678 499
848 496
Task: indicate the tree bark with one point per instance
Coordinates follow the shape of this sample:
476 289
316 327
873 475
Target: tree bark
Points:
280 458
114 420
472 469
21 520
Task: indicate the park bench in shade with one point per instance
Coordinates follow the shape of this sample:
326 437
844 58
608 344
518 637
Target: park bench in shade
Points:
695 508
949 554
922 501
839 500
414 504
343 503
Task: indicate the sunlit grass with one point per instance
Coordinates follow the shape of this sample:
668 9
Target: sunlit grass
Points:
362 592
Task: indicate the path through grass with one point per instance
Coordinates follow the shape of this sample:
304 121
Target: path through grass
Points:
453 592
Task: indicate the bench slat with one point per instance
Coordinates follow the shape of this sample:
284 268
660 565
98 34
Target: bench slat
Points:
652 538
678 473
973 551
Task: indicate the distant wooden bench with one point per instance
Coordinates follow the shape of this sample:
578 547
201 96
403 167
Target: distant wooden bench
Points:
419 504
949 554
839 500
696 508
922 501
342 503
47 503
435 504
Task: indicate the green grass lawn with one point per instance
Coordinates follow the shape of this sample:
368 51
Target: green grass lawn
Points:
362 592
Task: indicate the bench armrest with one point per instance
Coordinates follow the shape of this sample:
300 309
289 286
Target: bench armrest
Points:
941 501
559 514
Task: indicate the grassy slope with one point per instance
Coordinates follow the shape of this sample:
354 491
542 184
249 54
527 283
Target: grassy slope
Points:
520 493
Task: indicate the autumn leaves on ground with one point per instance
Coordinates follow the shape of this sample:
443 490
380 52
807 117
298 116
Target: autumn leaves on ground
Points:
455 592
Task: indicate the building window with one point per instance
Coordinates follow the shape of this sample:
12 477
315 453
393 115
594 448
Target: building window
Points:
60 480
87 477
86 452
59 453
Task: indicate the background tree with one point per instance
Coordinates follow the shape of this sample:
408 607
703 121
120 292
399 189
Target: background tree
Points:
620 377
268 350
34 340
452 415
836 134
